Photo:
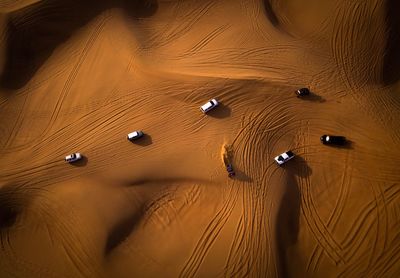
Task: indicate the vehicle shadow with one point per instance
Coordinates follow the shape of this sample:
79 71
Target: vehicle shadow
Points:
299 167
348 145
34 32
313 97
220 112
144 141
81 163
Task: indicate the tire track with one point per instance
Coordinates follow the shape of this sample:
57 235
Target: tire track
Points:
115 115
30 88
231 264
335 215
247 247
378 250
71 243
211 36
389 257
159 203
270 19
379 244
21 191
210 234
95 115
73 74
388 262
319 230
343 49
154 40
251 243
17 125
172 33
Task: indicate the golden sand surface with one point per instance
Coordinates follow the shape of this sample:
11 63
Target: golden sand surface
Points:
77 76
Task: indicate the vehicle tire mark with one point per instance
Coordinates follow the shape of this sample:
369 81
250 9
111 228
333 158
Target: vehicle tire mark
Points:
210 234
74 72
335 215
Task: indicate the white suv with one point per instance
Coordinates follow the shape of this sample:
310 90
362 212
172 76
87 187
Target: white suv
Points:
284 157
73 157
209 105
135 135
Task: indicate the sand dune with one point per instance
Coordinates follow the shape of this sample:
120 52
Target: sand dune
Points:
77 77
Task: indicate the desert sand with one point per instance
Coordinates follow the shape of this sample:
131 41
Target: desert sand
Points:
78 77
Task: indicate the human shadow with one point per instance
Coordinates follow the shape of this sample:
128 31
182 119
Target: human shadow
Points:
81 162
287 225
220 112
287 222
143 141
34 32
241 176
391 61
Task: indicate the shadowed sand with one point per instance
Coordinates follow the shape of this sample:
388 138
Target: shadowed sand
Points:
78 76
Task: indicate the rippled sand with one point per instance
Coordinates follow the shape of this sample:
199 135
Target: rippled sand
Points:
79 77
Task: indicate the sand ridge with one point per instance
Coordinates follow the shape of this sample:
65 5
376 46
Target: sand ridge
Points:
80 76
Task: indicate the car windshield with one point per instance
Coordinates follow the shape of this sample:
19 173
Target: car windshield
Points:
280 158
73 155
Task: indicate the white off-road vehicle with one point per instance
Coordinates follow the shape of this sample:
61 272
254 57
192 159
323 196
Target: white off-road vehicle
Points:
284 157
135 135
73 157
209 105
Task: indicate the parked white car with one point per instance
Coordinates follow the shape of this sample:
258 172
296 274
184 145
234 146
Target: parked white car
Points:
284 157
135 135
73 157
209 105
